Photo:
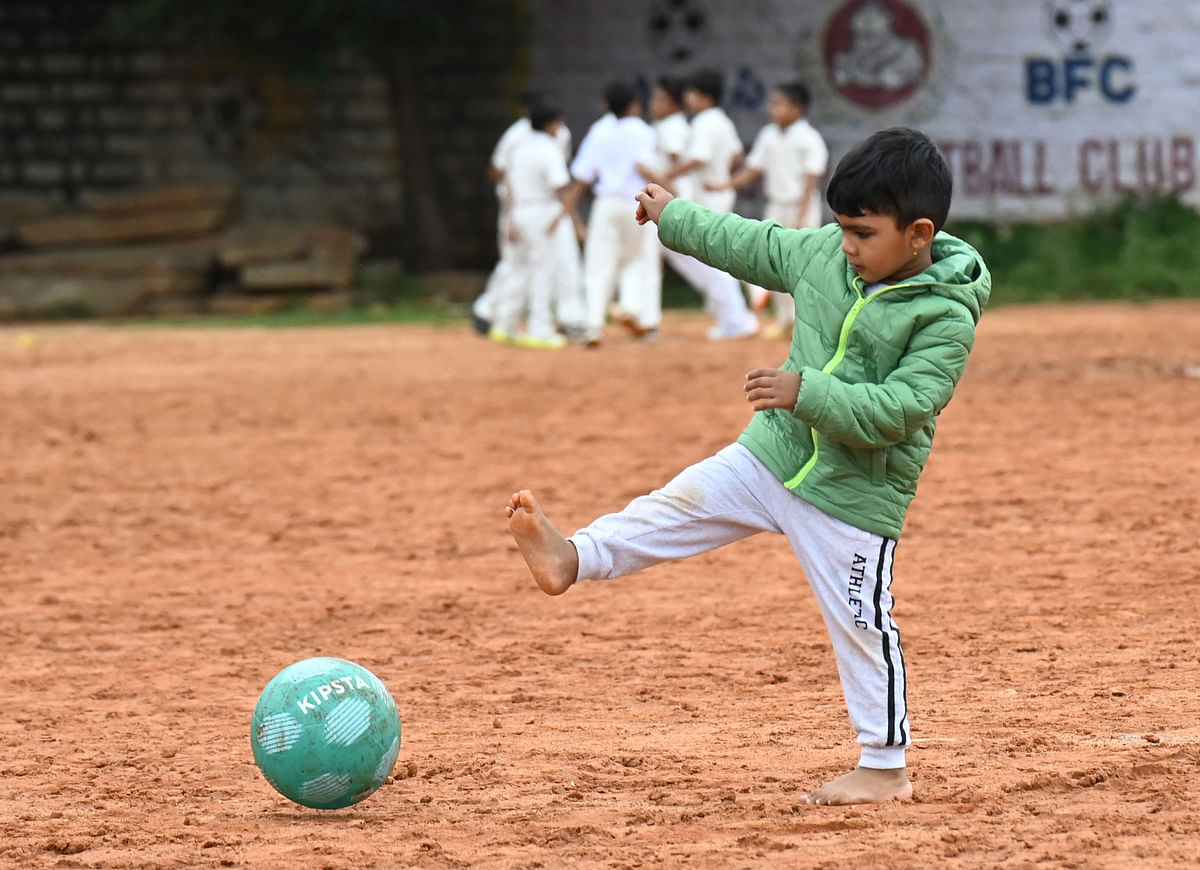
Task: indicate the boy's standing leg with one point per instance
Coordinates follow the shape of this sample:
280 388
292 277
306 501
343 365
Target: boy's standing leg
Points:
850 572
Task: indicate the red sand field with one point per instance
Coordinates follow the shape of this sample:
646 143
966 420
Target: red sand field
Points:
186 512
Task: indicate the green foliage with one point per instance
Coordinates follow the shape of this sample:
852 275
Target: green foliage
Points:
1140 248
305 37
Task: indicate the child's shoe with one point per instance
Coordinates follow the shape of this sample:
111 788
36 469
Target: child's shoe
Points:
540 342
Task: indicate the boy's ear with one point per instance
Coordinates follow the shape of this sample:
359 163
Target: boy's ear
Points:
920 233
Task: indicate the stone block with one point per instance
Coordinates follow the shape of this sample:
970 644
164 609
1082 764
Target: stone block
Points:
43 172
238 304
174 306
17 207
366 112
21 93
63 63
160 264
31 295
181 197
123 172
329 302
333 244
105 229
297 275
275 242
260 242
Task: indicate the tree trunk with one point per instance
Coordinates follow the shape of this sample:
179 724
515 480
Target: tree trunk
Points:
427 242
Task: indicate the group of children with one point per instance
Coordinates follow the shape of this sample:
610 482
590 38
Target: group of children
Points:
543 292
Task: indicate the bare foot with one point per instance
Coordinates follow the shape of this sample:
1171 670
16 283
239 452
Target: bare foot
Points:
551 558
863 785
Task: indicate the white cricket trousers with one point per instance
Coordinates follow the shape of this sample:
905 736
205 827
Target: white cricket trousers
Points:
731 496
722 293
527 289
618 248
782 303
517 282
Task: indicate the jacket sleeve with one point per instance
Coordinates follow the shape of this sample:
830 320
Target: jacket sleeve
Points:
761 252
879 415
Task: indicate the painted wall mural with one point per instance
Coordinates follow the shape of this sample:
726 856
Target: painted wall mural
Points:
1043 107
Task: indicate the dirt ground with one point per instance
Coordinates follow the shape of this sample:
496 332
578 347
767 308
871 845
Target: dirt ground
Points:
186 512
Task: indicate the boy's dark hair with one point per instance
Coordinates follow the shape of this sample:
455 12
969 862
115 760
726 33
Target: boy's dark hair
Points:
674 88
796 92
707 82
541 116
897 172
619 96
530 97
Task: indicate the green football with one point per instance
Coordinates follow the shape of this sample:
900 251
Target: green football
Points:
325 733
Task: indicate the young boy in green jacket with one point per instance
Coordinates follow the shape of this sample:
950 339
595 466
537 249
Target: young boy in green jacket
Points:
886 309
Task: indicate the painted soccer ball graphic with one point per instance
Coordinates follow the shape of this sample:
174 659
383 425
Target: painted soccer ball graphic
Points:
678 28
325 733
1078 24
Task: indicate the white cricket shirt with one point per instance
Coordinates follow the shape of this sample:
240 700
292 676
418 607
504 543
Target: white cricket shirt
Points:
535 170
786 156
609 154
714 140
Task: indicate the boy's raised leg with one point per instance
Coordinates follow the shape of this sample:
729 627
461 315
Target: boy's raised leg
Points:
551 558
863 785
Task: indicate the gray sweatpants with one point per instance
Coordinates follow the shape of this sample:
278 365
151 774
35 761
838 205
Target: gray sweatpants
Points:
731 496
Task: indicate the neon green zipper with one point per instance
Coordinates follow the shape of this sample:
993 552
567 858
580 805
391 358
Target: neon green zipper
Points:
834 362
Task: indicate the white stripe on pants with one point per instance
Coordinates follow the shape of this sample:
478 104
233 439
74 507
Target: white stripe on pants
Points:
731 496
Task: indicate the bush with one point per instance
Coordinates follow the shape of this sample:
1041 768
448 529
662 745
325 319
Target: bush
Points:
1141 248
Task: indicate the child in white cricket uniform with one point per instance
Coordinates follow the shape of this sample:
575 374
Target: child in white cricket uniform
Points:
569 296
791 158
617 247
537 207
708 160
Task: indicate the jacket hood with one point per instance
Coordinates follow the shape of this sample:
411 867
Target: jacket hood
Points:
958 272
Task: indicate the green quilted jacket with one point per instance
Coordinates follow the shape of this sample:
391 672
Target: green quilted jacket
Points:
875 370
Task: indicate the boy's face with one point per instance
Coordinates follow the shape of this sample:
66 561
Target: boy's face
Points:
782 110
879 251
695 101
661 104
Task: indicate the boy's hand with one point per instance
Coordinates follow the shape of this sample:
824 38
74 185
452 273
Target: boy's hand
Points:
651 202
772 388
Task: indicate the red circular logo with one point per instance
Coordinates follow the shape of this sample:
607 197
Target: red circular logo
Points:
877 52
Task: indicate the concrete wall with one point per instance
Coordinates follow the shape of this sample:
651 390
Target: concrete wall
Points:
1043 108
81 112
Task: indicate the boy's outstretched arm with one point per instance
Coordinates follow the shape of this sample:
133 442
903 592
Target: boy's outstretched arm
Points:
761 252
